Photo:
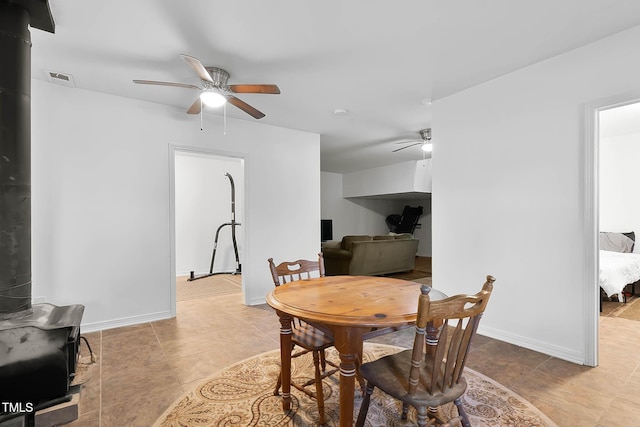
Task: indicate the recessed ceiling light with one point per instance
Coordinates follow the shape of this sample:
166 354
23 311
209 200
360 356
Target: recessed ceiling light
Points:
340 111
427 102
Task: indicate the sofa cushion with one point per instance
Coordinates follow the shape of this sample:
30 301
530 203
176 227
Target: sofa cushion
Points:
384 237
347 241
404 236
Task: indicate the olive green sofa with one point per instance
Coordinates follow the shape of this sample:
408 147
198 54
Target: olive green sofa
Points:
362 255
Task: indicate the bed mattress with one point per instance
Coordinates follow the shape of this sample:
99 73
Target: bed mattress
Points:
617 270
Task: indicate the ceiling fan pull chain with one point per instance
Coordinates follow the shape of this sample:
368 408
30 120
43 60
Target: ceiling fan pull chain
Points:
201 114
224 115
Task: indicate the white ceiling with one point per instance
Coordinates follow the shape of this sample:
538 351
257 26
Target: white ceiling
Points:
377 59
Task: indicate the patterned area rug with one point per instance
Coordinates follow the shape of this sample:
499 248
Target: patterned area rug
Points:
242 395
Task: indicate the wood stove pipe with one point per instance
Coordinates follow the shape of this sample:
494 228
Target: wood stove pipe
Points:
15 149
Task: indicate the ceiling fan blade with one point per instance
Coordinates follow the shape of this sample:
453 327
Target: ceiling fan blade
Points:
153 82
196 107
269 89
408 146
406 141
256 114
198 67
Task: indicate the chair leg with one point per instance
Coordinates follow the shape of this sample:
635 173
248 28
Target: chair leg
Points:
405 410
423 416
462 413
361 381
323 361
319 393
360 378
276 391
364 408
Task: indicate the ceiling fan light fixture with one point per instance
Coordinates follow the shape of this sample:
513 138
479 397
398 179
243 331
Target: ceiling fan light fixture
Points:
213 98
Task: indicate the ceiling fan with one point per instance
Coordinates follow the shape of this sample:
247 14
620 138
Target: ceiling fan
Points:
424 141
215 91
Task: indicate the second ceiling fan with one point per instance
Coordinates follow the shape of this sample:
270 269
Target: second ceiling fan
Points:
215 91
424 141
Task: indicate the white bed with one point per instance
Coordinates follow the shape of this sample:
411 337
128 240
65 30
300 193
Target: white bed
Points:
617 270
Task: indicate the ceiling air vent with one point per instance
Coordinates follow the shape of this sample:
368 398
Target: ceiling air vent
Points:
60 78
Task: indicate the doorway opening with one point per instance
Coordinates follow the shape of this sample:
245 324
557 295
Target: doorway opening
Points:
619 209
208 208
596 116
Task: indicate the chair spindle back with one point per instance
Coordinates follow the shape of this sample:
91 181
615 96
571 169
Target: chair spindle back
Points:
290 271
442 346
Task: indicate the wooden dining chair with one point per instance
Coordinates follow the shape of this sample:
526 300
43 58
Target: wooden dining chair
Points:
430 374
309 337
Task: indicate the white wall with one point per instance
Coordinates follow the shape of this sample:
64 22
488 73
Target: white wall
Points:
507 173
202 205
367 216
405 177
101 189
619 205
352 216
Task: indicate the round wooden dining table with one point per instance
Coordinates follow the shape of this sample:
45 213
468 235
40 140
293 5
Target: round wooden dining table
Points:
351 307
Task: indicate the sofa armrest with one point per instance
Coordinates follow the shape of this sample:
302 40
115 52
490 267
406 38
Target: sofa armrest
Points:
331 244
336 261
336 253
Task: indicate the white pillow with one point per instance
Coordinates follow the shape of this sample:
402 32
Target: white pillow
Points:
616 242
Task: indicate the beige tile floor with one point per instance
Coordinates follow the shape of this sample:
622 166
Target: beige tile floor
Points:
142 369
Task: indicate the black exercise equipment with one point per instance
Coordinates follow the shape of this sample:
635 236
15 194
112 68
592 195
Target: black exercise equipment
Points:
233 225
405 223
392 222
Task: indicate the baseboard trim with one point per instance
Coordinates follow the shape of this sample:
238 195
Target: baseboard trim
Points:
539 346
257 301
125 321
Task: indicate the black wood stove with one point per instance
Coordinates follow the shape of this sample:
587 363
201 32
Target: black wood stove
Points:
38 343
38 359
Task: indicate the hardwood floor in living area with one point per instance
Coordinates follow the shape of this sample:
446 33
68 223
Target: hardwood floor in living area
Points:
142 369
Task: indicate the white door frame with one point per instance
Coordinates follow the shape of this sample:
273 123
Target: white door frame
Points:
173 149
591 216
